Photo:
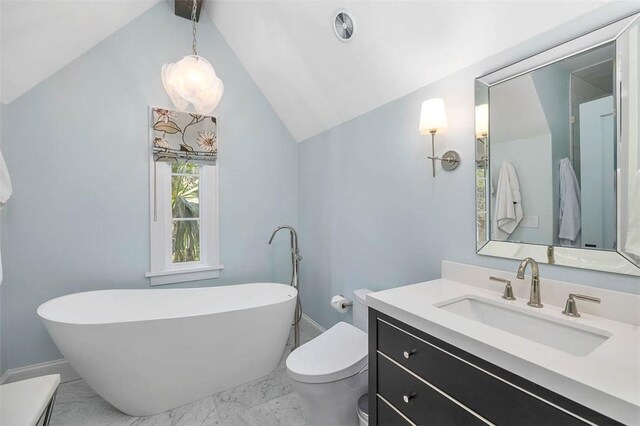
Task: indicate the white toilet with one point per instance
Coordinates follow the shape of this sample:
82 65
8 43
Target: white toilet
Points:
330 372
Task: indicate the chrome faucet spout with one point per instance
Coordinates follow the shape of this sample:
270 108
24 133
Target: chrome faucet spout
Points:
294 234
281 227
534 297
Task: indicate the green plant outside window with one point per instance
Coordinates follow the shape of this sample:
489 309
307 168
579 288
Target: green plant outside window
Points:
185 212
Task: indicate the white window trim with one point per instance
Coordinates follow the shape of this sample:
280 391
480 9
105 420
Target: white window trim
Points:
163 271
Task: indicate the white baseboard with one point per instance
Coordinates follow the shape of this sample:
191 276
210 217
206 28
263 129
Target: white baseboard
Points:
310 327
60 366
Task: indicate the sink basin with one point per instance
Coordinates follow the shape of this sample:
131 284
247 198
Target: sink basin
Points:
555 333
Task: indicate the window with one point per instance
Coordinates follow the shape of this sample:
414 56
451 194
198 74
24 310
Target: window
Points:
185 213
184 222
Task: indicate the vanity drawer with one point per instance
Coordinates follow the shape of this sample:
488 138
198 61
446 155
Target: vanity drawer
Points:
426 406
387 416
494 399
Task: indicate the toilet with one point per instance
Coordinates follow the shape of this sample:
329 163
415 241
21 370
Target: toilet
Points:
330 372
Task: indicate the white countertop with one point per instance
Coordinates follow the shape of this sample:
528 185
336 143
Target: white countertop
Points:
606 380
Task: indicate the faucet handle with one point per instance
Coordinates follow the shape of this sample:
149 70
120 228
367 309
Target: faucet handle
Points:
571 308
296 254
508 290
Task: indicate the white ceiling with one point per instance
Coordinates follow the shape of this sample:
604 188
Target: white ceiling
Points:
313 81
41 36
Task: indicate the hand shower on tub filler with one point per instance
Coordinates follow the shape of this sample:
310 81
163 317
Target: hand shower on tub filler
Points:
295 259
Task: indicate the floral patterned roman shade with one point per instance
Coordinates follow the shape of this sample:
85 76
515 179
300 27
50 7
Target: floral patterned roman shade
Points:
185 137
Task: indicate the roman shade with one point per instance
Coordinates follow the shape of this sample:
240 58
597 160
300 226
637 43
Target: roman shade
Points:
181 136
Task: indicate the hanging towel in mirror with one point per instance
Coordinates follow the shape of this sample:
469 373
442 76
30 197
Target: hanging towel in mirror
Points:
5 193
632 245
5 183
569 215
508 205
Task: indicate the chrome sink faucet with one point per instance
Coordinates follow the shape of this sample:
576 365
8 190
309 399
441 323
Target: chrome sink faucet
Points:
534 297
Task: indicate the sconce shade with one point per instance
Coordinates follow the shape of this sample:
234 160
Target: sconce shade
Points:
433 118
482 120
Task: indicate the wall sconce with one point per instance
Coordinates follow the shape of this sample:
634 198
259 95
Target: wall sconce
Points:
433 119
482 132
482 121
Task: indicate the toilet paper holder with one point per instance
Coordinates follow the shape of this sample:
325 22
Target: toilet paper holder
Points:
341 303
346 303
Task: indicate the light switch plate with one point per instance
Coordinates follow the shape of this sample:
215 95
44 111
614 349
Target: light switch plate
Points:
530 222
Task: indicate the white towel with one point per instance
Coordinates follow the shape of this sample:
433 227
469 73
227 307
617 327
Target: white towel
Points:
633 228
508 211
5 183
5 193
569 214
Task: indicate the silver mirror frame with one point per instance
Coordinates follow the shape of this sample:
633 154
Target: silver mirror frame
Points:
600 260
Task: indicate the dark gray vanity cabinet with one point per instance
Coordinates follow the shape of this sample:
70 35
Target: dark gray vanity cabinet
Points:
415 378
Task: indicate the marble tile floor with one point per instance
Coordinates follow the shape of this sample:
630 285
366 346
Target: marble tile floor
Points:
268 401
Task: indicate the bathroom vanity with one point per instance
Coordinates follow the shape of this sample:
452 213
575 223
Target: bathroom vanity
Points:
432 382
452 351
481 346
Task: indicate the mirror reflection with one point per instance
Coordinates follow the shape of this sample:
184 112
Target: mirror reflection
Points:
553 134
558 158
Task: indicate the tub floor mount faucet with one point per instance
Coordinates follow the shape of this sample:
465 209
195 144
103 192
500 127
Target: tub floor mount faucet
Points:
295 259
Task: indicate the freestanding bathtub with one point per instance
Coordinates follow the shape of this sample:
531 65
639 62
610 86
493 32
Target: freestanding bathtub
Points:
147 351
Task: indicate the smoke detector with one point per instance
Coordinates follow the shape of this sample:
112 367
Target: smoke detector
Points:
344 26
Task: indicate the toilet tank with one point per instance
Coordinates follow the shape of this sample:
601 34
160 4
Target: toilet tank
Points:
360 309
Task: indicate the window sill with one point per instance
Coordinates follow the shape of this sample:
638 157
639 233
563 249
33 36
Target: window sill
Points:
172 276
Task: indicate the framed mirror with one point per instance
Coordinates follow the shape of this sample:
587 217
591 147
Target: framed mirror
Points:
558 154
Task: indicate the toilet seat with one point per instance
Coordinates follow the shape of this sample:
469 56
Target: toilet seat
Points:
338 353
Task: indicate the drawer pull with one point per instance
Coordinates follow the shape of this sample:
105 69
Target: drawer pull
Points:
407 354
408 398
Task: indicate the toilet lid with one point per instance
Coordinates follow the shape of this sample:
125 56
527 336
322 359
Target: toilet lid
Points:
339 352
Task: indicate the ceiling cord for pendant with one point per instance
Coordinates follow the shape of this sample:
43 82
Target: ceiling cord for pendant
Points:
194 10
192 80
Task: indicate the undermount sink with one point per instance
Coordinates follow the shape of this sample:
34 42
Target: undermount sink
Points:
557 334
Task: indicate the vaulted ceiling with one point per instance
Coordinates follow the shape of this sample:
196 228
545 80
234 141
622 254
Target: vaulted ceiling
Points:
39 37
313 81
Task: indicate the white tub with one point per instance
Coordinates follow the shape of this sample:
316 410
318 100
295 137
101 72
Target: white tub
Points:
147 351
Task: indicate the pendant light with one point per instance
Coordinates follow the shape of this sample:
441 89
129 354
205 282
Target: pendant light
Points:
192 80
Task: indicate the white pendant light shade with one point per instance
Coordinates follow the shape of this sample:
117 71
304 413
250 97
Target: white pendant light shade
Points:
180 103
192 80
433 118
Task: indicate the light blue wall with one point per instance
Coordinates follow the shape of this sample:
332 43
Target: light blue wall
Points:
552 85
531 158
77 145
372 216
3 249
